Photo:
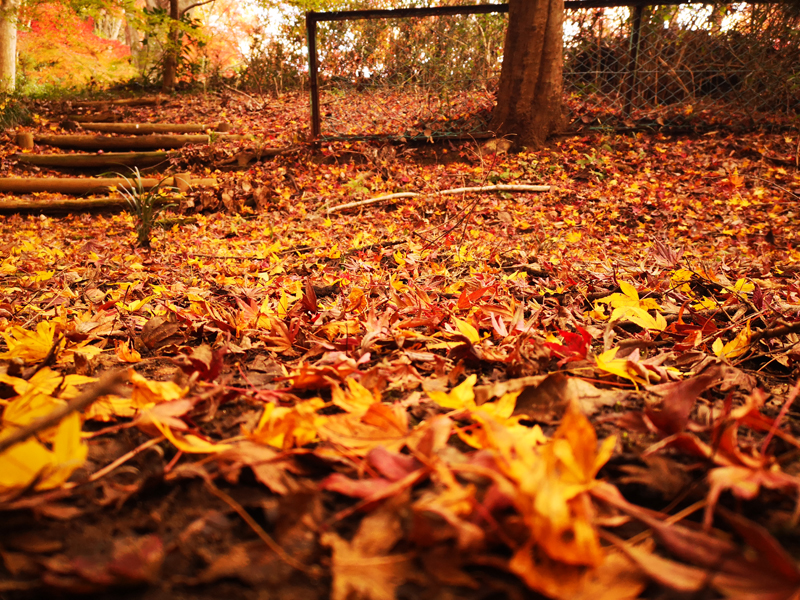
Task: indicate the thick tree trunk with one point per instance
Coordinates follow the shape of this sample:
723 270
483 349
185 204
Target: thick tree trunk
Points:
529 100
8 45
172 49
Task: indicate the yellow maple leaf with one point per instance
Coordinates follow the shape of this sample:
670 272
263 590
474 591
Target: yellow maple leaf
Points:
30 461
285 427
47 381
575 446
743 286
146 392
29 346
639 316
620 367
467 330
382 425
7 267
628 307
628 297
460 397
29 407
356 399
187 442
736 347
283 305
134 306
106 408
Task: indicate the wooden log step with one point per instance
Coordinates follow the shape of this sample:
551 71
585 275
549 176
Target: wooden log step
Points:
93 185
101 117
89 161
61 204
150 128
143 142
144 101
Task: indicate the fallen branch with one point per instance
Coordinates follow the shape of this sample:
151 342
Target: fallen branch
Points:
107 385
775 332
464 190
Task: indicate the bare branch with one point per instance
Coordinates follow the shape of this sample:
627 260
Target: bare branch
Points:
464 190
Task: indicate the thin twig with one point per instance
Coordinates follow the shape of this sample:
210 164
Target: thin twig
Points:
259 531
463 190
124 458
784 409
107 385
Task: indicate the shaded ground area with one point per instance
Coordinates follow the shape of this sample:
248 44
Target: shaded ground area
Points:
573 393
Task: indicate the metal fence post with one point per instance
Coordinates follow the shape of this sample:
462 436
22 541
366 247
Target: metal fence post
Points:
313 73
633 63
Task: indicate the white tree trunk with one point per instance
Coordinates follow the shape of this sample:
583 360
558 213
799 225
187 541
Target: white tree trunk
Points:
8 45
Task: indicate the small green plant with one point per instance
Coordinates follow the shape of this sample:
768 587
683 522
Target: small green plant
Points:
144 204
13 112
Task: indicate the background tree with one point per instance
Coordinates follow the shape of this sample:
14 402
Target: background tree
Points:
172 51
530 97
8 45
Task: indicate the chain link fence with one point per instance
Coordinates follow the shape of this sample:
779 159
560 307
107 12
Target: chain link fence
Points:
424 73
735 65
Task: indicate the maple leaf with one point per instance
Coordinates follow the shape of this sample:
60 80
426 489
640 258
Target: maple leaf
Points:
134 306
107 408
29 346
187 442
575 346
551 479
146 392
736 347
364 567
764 571
47 381
356 400
628 307
127 354
30 462
621 367
381 425
33 346
284 427
460 397
467 330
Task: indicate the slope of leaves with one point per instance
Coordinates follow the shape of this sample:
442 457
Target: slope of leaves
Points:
585 393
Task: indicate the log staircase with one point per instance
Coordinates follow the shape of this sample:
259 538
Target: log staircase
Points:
134 146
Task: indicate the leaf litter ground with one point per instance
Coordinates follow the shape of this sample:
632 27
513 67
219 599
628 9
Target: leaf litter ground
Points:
581 393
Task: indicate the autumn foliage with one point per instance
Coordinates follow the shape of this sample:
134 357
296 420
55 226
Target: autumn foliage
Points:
59 49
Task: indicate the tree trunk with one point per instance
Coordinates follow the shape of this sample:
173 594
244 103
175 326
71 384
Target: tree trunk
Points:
529 100
172 50
8 45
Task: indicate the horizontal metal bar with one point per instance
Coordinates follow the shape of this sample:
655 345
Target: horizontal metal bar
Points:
402 13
